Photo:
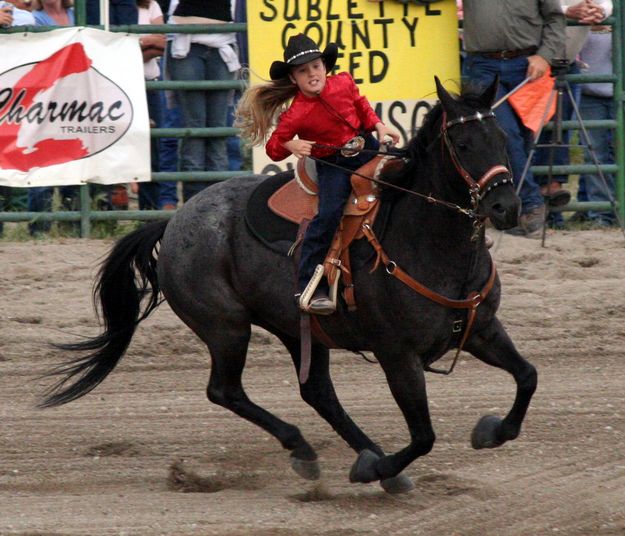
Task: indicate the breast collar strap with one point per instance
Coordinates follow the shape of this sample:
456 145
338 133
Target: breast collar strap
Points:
472 302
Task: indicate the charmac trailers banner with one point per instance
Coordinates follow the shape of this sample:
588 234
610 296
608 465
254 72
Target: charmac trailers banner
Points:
72 109
392 50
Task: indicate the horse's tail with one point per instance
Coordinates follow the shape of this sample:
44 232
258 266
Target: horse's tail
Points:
126 276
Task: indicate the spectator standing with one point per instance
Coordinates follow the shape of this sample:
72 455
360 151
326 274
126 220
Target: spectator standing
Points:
597 102
121 12
6 17
514 39
54 12
50 13
202 57
586 12
152 48
168 147
20 14
24 5
15 16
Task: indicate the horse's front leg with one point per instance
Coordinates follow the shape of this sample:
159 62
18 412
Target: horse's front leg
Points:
406 380
493 346
319 392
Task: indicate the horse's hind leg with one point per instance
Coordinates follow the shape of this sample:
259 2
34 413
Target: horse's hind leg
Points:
228 348
494 347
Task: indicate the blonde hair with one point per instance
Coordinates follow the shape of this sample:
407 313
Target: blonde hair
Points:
260 106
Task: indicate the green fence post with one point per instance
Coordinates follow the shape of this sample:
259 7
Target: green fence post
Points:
618 45
85 198
85 211
81 12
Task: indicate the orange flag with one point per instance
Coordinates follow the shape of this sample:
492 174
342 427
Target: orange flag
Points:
530 102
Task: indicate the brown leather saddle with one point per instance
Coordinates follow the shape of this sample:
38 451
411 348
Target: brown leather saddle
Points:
296 201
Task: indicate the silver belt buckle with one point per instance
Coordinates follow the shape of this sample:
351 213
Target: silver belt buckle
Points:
353 147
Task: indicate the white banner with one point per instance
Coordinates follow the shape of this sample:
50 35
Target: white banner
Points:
72 109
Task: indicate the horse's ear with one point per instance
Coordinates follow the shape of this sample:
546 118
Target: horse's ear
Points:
447 101
490 93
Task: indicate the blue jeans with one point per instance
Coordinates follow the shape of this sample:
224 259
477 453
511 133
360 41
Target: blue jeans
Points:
120 12
602 142
481 72
233 143
168 154
201 109
334 189
149 191
40 200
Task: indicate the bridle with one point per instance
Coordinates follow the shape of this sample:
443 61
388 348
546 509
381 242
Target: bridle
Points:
480 187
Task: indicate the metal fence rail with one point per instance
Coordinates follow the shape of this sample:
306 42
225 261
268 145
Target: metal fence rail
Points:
86 215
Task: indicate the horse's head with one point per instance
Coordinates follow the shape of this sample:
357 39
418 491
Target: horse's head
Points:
474 151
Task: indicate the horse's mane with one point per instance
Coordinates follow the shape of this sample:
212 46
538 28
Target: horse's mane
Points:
429 130
418 147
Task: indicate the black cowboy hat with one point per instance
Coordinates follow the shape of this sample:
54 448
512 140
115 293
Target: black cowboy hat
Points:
299 50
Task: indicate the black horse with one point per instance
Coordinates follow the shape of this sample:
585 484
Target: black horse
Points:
220 280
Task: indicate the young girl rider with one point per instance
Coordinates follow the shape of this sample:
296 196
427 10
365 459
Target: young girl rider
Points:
326 112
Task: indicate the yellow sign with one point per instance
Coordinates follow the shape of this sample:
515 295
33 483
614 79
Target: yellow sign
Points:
391 49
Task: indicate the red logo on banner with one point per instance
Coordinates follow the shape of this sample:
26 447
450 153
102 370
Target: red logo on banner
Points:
58 110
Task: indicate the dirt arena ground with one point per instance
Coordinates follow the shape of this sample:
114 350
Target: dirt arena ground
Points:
146 454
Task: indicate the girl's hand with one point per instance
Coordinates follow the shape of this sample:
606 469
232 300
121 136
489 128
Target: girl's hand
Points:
299 148
383 131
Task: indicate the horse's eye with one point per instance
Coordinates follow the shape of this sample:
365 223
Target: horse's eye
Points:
461 145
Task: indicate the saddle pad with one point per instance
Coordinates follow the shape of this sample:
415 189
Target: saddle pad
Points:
273 231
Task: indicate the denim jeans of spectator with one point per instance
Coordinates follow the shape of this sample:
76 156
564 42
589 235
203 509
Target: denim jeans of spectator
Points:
40 200
334 189
233 143
591 108
480 72
120 12
201 109
149 192
168 153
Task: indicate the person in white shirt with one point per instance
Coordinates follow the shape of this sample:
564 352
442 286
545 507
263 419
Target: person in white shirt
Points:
587 12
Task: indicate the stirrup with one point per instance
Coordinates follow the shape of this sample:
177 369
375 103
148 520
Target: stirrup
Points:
320 305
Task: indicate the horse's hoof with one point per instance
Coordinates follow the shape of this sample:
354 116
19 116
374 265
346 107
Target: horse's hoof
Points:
363 469
308 469
397 484
484 435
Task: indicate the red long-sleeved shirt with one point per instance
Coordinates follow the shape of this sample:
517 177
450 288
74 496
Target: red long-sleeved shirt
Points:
318 118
